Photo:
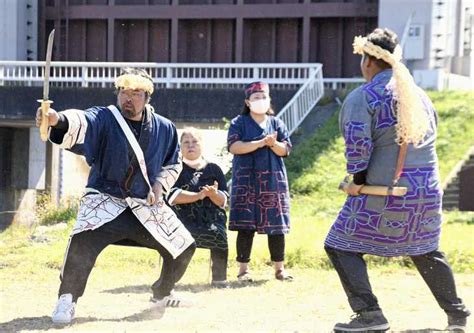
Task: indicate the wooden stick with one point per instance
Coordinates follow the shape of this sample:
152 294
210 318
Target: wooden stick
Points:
397 191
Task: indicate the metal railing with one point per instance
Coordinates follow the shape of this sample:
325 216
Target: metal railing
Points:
179 75
342 83
307 78
166 75
303 101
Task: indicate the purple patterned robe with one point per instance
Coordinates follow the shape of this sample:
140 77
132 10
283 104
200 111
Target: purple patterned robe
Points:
379 225
259 198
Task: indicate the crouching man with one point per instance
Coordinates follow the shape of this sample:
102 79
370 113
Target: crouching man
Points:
133 155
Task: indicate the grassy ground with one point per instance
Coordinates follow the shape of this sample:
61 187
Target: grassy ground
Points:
117 294
116 298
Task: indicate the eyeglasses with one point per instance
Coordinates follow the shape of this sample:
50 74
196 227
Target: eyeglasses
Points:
132 94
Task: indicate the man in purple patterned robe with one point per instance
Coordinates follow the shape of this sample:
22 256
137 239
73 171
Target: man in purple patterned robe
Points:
389 226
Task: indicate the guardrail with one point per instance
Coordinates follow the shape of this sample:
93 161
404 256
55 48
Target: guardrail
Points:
168 75
303 101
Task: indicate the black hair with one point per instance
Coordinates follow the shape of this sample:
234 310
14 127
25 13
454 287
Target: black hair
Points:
386 39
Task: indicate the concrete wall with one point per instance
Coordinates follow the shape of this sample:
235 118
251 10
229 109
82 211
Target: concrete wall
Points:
18 29
18 104
15 196
446 43
37 160
422 10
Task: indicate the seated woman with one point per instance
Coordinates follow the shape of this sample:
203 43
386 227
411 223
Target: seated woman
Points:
199 197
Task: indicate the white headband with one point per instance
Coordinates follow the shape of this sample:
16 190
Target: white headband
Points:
134 81
362 45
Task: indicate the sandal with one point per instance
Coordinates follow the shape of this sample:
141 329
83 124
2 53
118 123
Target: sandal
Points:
282 275
244 277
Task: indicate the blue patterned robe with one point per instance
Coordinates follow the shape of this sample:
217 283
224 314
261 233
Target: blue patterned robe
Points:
259 198
115 181
387 225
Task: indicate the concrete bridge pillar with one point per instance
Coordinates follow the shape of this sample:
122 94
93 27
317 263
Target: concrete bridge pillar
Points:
28 167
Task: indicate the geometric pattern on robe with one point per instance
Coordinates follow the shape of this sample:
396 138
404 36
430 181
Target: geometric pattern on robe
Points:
387 225
260 199
98 207
205 220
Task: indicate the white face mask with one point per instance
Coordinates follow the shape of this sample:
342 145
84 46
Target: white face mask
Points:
260 106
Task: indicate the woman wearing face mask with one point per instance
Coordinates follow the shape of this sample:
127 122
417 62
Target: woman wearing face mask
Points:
198 198
259 195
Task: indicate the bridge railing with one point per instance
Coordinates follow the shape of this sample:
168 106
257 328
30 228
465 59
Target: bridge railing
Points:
168 75
303 101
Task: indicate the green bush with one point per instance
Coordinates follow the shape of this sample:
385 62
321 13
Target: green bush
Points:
49 213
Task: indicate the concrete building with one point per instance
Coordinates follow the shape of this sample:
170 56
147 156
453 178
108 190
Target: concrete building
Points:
439 42
224 31
18 29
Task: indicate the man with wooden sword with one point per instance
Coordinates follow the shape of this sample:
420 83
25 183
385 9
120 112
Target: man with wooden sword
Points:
133 155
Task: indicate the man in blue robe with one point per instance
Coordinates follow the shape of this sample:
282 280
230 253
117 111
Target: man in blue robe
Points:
133 155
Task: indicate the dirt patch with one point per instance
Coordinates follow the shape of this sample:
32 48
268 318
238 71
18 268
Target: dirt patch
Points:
119 301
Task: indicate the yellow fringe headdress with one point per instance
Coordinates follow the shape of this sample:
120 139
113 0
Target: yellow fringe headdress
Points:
134 81
412 118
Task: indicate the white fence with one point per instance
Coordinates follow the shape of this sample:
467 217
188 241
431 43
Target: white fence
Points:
178 75
169 75
308 78
303 101
342 83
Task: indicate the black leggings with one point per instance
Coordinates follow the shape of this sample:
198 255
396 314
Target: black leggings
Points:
276 245
433 267
85 247
219 264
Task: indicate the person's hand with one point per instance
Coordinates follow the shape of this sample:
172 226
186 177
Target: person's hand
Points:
210 190
202 194
158 192
353 189
53 117
270 139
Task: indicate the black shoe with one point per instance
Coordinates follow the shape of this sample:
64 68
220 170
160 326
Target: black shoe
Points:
457 324
364 321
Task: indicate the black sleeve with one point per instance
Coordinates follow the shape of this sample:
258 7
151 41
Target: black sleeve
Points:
57 132
359 177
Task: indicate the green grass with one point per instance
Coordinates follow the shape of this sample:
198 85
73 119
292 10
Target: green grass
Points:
315 169
49 214
317 165
455 127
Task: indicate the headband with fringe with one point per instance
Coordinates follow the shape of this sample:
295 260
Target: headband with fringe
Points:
134 81
412 118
